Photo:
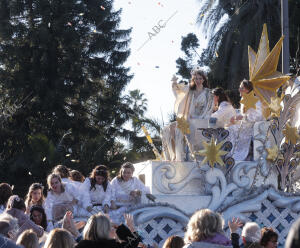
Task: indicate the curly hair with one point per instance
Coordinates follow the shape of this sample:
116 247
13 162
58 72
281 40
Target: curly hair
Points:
202 74
202 225
33 187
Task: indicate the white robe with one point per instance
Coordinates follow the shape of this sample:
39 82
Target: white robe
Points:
121 190
224 113
241 133
98 195
70 194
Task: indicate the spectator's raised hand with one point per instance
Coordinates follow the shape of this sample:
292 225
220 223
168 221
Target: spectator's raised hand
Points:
234 224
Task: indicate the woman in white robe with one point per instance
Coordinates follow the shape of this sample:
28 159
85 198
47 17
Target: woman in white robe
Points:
61 198
127 191
224 110
193 101
241 132
97 190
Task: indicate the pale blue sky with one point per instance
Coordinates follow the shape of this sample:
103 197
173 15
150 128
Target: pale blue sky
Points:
161 51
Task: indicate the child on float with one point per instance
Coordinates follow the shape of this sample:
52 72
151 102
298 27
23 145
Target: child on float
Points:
97 190
62 198
35 196
127 191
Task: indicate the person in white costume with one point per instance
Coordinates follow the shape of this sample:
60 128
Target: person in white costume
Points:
35 196
127 191
61 198
193 101
224 110
97 190
241 132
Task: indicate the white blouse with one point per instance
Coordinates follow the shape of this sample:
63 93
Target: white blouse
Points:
224 113
70 194
98 195
122 189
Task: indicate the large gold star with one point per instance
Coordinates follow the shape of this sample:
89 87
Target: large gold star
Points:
249 101
275 106
212 152
291 134
263 69
183 125
272 153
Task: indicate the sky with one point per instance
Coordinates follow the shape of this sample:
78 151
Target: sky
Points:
157 29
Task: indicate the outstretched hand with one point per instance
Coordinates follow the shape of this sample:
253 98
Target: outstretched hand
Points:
174 79
234 224
129 222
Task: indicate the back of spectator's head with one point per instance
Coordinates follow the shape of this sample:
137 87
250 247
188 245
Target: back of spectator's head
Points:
293 238
268 235
77 176
16 202
5 193
8 225
202 225
28 239
174 242
97 227
251 232
61 170
59 238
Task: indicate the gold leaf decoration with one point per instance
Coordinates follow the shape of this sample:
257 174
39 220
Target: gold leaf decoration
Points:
183 125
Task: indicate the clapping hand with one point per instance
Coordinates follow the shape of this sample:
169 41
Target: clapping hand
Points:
129 222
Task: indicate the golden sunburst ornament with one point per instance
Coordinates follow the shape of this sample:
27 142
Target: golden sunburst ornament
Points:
263 69
291 134
212 152
183 125
272 153
249 101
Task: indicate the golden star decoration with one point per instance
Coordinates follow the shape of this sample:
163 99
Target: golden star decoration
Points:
249 101
275 106
212 152
272 153
263 70
291 134
183 125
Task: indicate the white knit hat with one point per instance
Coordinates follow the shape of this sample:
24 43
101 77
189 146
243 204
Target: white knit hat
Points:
251 232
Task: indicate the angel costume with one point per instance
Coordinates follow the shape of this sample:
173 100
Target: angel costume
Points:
241 133
56 205
189 104
121 195
224 113
96 197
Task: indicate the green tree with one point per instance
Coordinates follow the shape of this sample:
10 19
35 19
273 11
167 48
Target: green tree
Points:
67 56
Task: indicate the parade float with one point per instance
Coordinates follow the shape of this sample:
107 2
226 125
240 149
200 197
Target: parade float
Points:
263 189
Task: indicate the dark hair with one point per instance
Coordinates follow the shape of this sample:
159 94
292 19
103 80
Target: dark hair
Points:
221 94
124 166
202 74
174 242
33 187
61 170
247 84
99 170
267 233
16 202
77 176
5 193
42 211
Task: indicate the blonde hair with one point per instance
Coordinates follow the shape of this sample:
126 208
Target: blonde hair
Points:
202 225
97 227
49 179
59 238
28 239
33 187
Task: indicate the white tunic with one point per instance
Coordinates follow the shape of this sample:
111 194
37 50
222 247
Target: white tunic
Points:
98 195
122 189
70 194
224 113
240 134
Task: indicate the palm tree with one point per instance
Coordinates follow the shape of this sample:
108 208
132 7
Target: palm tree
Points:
232 25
